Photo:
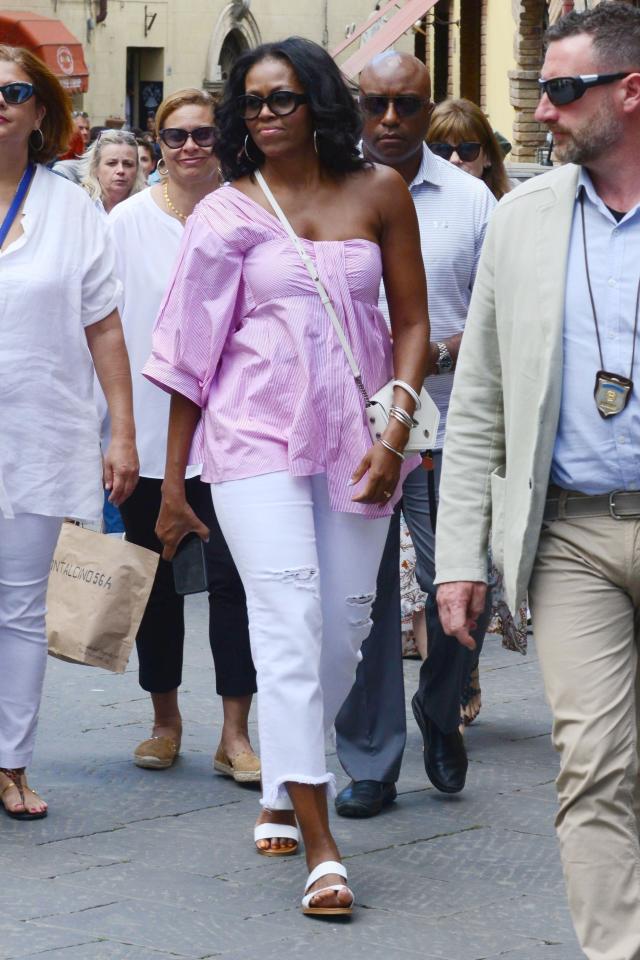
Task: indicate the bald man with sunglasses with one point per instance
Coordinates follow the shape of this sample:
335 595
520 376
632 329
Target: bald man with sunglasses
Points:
453 209
543 447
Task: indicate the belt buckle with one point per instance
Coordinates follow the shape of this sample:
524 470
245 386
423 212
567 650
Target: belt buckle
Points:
612 508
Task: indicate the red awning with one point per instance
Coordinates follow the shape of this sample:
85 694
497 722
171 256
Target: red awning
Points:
50 40
386 36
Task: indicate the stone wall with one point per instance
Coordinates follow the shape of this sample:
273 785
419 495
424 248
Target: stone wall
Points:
528 134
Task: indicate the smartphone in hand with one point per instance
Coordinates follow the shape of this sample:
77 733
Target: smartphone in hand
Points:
190 573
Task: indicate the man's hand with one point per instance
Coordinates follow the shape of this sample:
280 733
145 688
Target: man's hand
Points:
460 603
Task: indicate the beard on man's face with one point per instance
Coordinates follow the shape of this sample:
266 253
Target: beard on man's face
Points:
587 143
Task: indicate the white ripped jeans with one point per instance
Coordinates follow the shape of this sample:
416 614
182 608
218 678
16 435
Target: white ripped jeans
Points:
309 574
27 543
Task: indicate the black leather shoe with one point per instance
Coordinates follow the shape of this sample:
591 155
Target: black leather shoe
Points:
365 798
445 755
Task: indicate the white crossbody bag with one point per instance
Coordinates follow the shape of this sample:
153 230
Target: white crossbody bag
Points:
426 417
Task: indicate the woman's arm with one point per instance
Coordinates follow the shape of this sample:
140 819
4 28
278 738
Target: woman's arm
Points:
109 353
176 518
406 290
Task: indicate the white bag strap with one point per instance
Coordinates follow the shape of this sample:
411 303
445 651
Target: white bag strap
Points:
313 273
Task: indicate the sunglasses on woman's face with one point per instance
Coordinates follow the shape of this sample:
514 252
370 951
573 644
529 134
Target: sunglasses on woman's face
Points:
175 137
564 90
467 151
375 105
280 102
17 92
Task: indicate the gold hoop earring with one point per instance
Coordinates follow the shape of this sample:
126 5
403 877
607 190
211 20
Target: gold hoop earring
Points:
246 152
161 167
40 146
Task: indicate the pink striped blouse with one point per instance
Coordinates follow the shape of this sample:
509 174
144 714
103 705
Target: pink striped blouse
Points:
243 333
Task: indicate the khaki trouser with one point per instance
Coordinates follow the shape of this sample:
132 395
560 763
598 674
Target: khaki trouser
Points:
585 606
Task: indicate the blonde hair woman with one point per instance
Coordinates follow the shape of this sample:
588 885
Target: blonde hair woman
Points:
112 169
460 132
189 171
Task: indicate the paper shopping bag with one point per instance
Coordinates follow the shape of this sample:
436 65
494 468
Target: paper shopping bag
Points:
97 594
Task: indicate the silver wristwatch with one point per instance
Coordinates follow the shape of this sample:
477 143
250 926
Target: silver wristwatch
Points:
444 363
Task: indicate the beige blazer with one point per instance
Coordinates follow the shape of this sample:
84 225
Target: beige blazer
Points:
504 410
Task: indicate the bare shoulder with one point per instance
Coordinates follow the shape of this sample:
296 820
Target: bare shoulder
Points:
382 188
380 177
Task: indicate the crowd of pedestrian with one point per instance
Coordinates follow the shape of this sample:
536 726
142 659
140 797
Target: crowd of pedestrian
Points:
212 349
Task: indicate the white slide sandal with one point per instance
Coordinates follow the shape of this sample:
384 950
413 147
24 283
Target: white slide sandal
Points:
324 870
276 831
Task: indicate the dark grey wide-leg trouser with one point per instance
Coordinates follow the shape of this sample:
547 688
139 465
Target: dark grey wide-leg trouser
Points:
371 726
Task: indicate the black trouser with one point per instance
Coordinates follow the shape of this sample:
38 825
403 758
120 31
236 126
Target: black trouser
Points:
445 672
160 639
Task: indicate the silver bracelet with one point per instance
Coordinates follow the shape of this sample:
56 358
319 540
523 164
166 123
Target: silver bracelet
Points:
390 448
409 389
400 414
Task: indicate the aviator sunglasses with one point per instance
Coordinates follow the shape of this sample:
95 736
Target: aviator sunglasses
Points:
375 105
17 92
467 151
175 137
280 102
564 90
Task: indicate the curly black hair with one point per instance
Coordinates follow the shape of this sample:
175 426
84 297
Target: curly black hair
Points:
336 116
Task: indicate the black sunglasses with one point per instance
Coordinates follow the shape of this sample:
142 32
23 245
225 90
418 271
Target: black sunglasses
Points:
564 90
467 151
375 105
175 137
280 102
17 92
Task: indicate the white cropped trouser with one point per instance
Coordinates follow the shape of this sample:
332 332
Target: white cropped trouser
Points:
309 574
27 543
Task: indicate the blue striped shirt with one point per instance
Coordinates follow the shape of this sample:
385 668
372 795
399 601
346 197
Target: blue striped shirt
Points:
593 455
453 209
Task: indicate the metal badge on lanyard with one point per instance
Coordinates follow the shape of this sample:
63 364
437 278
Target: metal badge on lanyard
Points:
612 390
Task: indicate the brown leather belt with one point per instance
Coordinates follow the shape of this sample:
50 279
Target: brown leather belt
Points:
566 505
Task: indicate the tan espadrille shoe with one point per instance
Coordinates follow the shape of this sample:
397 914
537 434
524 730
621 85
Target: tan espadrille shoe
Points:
244 767
156 753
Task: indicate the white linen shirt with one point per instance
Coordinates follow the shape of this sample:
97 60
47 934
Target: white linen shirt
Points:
55 279
453 209
146 241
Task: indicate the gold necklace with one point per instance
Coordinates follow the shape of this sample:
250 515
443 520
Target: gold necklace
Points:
181 216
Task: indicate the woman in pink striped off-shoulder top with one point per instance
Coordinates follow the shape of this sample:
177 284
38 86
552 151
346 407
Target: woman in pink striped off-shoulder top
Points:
263 396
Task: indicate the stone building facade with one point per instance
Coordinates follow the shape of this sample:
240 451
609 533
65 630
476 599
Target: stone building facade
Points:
137 51
144 49
491 51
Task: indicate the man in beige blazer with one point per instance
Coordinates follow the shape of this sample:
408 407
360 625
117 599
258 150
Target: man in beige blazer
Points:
543 450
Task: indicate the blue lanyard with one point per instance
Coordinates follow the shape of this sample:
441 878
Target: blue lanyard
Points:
16 203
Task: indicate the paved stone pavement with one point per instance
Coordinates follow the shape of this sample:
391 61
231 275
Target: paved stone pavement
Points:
142 865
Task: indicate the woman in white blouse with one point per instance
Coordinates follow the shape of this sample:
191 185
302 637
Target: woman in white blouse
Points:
58 296
189 170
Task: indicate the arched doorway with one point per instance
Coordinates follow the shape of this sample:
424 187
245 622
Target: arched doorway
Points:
234 44
236 30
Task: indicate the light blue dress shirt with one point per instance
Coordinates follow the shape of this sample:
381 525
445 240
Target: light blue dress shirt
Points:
453 210
595 455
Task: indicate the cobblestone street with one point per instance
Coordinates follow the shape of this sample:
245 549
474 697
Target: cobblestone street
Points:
140 865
